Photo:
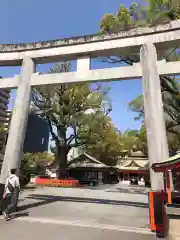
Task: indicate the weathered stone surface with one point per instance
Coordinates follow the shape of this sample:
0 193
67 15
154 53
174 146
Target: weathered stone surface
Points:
172 223
154 116
83 64
109 74
93 45
174 25
13 153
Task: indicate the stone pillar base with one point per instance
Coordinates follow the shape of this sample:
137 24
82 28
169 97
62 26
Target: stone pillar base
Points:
173 222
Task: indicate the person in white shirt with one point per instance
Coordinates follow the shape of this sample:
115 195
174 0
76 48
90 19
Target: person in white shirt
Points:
11 193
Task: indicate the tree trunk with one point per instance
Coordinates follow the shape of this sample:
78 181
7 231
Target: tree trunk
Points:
61 159
61 153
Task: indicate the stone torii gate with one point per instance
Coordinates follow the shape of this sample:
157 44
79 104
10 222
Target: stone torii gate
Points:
143 40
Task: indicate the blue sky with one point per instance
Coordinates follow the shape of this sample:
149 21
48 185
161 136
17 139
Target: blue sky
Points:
36 20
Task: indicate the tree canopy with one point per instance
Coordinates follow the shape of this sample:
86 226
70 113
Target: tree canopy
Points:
76 114
135 139
41 159
138 15
105 142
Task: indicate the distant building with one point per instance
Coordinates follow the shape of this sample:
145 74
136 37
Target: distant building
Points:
135 164
37 135
4 100
86 166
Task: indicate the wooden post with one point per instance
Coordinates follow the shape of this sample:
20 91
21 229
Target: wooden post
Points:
169 186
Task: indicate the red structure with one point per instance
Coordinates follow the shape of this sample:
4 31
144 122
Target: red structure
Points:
171 173
133 165
158 200
157 213
56 182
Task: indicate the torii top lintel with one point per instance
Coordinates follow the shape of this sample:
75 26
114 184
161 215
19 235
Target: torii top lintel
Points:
91 45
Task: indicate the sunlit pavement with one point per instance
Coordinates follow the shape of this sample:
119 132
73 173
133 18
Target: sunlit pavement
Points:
102 212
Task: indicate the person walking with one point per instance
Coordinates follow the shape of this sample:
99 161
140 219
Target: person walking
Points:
11 193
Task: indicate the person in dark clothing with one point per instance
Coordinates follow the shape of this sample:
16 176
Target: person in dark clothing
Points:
11 193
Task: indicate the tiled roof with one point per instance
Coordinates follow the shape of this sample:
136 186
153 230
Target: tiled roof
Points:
167 164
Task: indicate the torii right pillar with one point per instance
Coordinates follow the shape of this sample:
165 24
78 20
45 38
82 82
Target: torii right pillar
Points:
154 115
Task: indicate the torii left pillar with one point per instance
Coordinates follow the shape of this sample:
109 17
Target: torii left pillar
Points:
17 130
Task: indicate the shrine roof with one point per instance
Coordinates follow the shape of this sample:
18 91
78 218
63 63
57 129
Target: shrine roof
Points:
133 165
170 164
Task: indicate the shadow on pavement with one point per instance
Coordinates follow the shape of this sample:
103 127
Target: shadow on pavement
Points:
46 199
29 188
19 214
130 191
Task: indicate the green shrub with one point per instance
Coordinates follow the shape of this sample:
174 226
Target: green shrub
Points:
25 171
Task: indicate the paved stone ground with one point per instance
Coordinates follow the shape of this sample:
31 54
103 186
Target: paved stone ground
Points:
22 230
102 212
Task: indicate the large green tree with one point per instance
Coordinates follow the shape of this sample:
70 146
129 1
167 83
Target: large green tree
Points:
137 15
38 161
171 119
106 142
137 138
72 111
152 13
